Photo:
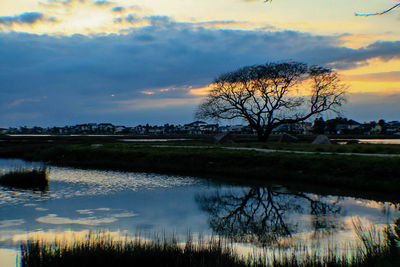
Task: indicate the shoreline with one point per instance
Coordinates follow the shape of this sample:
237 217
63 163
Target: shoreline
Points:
352 175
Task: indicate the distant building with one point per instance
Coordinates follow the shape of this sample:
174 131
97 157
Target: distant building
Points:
194 127
105 128
120 129
393 127
347 127
333 126
377 129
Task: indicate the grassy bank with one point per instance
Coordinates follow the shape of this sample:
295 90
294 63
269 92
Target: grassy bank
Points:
352 173
35 178
334 148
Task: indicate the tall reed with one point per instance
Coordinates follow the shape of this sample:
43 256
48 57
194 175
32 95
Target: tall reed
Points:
103 250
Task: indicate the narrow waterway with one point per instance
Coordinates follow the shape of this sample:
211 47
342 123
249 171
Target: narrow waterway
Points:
124 204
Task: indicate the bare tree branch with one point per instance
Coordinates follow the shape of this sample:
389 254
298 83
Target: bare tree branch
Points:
378 13
368 14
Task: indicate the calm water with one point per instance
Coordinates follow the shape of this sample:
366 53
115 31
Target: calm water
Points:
380 141
370 141
123 204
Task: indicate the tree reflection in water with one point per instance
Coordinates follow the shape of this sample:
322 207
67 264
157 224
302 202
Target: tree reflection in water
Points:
263 215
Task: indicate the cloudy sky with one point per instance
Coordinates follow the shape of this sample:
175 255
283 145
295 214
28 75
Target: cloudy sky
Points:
131 62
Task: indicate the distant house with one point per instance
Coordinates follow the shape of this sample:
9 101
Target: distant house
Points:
105 128
82 127
377 129
347 126
294 128
92 127
237 128
305 128
56 130
352 124
140 129
196 124
209 128
156 130
194 127
393 127
13 130
119 129
37 130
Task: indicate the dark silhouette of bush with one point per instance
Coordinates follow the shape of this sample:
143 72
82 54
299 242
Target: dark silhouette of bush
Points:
35 178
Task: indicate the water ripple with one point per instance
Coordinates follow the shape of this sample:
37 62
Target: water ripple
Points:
71 182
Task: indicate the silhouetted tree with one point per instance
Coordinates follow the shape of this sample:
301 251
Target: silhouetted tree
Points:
270 95
319 126
332 125
383 125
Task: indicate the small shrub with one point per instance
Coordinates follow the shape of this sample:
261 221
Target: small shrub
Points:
35 178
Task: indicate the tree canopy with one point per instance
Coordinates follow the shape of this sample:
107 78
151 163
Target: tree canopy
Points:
267 96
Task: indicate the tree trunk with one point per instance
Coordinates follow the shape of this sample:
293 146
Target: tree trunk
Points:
267 133
260 134
264 135
262 138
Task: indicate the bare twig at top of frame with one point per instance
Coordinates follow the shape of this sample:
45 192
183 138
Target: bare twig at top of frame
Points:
370 14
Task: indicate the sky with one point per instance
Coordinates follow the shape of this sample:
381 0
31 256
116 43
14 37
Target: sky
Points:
64 62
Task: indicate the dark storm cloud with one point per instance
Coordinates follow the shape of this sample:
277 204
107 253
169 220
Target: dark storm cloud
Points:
100 3
66 3
103 3
130 18
24 18
59 80
349 58
118 9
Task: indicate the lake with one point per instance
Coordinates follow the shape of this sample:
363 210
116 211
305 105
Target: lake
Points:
124 204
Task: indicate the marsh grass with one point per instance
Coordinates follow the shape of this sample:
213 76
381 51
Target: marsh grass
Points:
35 178
370 237
102 250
